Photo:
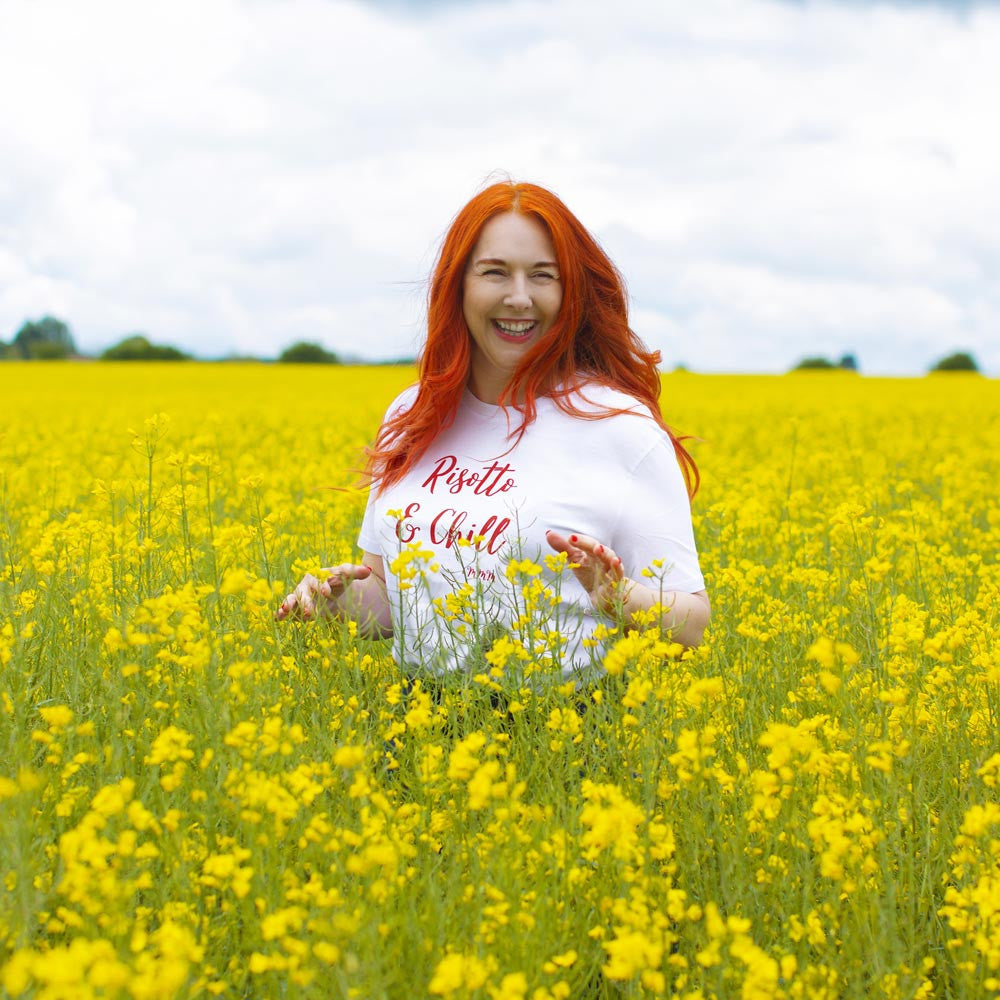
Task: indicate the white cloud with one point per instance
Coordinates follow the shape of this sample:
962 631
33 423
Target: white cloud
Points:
774 179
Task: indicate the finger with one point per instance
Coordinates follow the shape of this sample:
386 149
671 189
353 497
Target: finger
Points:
583 547
559 542
289 608
360 572
305 594
338 577
349 571
586 543
333 583
573 545
306 587
605 563
604 554
610 561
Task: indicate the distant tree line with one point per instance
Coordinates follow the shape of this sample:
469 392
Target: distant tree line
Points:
847 363
136 347
46 339
50 339
305 352
960 361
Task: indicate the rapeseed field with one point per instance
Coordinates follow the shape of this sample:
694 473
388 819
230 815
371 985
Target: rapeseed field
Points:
199 801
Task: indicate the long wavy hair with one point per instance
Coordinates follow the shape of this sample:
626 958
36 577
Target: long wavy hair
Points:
589 342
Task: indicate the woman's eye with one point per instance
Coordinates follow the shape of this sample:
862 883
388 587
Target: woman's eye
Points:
545 274
494 270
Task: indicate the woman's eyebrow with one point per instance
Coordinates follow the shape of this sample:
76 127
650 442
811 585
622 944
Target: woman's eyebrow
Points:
497 260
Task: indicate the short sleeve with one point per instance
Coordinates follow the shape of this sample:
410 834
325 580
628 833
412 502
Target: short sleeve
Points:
368 540
654 521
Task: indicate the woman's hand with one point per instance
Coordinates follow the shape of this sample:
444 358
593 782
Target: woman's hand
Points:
600 572
319 597
598 569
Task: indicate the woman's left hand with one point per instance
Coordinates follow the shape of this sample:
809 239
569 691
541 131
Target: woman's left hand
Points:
598 569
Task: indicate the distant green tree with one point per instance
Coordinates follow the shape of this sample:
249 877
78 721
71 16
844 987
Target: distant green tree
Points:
305 352
960 361
136 347
848 362
812 364
45 339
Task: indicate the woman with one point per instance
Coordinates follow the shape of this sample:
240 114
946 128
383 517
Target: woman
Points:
534 428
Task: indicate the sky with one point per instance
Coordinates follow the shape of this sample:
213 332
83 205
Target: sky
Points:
776 179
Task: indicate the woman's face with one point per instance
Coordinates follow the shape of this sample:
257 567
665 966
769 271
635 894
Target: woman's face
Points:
511 296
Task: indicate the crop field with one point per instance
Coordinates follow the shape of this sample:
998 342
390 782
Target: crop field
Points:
196 800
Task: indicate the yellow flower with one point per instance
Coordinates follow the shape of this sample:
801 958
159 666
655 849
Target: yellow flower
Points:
630 953
170 745
349 756
458 971
56 716
513 986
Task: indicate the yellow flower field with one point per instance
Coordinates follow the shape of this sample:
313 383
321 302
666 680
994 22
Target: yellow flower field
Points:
196 800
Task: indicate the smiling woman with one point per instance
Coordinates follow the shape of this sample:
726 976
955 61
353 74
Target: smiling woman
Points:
533 436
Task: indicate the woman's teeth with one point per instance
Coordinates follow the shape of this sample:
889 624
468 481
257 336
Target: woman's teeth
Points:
515 328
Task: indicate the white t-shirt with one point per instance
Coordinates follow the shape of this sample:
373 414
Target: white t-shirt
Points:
615 479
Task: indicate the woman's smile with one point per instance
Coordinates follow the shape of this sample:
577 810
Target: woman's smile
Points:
514 330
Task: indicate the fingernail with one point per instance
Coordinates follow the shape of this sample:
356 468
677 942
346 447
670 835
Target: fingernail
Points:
574 538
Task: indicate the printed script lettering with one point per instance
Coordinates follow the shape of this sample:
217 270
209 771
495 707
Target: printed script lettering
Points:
488 481
450 524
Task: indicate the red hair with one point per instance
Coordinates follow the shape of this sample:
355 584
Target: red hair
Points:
590 340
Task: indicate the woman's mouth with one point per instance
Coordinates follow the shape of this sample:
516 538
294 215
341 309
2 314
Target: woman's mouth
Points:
514 330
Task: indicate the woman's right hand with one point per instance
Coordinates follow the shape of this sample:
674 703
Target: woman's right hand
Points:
319 597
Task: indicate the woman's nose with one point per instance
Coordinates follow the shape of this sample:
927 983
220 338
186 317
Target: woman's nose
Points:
518 296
